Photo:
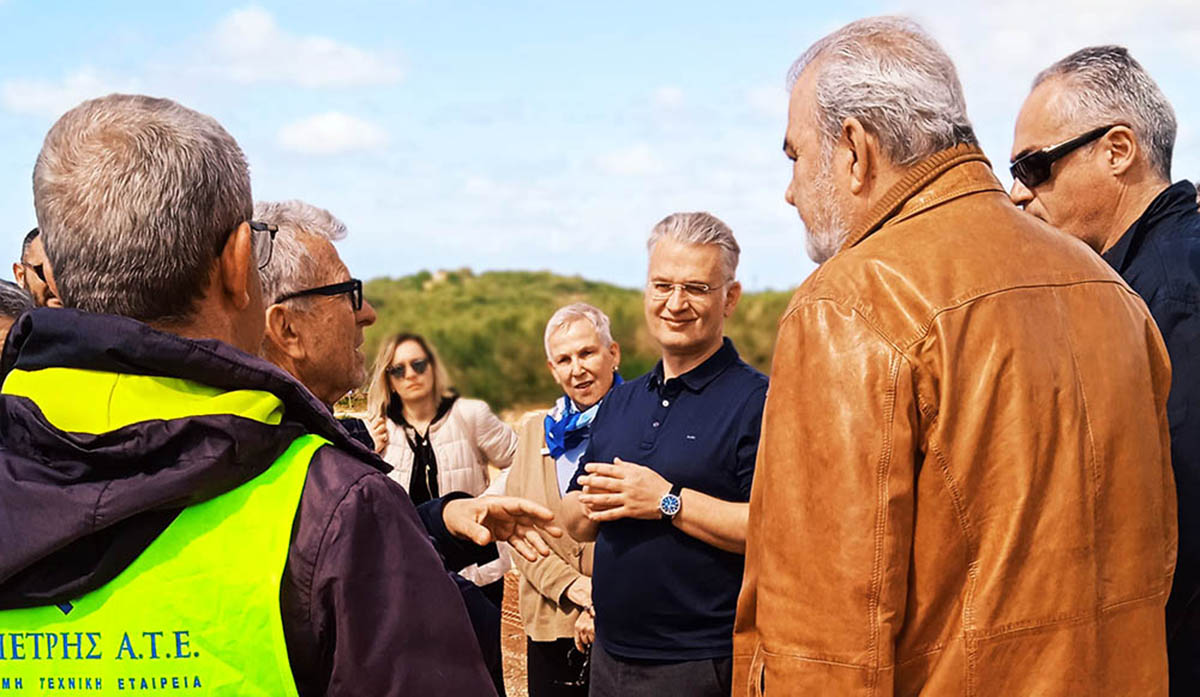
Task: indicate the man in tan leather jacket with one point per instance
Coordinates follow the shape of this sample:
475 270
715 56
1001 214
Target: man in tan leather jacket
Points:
963 485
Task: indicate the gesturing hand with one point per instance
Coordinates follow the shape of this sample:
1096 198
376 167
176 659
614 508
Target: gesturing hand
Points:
621 490
516 521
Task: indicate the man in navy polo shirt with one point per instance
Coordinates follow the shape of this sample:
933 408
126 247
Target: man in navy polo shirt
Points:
665 486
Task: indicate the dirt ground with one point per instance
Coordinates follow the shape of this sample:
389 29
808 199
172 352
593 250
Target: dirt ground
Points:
512 640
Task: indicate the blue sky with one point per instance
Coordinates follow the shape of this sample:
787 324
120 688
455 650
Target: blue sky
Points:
530 135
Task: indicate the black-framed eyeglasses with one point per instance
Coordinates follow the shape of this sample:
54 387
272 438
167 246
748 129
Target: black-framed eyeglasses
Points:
353 288
263 241
418 365
1033 169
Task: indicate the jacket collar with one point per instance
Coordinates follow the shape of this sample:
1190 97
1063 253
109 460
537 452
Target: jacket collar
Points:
57 337
924 187
699 377
1180 197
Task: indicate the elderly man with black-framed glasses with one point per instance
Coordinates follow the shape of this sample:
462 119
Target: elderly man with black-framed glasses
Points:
316 313
1092 156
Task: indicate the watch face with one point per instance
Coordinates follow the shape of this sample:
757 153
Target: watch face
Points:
669 505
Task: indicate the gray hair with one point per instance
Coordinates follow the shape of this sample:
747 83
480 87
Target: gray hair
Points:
292 266
1107 86
14 300
699 228
574 312
896 80
136 197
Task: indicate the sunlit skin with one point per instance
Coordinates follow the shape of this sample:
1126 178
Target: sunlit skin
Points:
689 330
581 364
1094 193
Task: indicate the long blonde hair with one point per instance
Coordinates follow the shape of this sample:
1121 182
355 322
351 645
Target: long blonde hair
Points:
379 394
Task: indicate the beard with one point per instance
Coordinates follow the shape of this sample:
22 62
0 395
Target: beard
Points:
826 227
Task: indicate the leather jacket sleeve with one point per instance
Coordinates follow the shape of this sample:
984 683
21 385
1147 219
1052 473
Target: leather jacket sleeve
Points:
836 460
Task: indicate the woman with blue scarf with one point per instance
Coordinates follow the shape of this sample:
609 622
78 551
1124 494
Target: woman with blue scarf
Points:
556 592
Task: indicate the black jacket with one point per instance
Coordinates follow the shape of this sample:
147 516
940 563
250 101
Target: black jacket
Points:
367 606
1159 256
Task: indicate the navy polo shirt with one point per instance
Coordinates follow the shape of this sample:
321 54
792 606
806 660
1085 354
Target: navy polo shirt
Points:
659 593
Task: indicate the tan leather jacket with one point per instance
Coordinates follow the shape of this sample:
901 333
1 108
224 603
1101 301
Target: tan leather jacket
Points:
963 485
545 611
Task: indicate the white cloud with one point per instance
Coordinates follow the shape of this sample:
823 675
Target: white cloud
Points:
331 133
251 47
635 160
47 98
668 97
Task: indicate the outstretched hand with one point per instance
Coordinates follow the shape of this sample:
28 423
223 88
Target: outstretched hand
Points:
519 522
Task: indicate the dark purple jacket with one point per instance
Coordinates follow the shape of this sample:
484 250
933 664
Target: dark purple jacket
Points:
368 608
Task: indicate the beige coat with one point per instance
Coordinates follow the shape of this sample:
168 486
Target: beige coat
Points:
546 612
465 440
964 484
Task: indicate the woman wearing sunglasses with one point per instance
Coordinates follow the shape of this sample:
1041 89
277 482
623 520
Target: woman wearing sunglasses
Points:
437 442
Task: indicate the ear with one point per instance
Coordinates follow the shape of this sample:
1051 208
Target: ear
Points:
731 297
858 158
1119 149
615 349
283 334
236 263
19 274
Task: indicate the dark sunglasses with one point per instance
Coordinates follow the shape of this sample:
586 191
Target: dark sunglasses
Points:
37 269
262 239
353 288
1033 169
418 365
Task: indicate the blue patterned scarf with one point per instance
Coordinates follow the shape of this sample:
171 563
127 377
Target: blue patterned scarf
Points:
566 426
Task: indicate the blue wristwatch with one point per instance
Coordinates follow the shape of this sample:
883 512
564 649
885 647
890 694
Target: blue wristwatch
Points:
670 503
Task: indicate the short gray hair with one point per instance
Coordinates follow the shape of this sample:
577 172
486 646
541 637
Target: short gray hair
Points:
136 197
896 80
292 266
699 228
574 312
14 300
1106 86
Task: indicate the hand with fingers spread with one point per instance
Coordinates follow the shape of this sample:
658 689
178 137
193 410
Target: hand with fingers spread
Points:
622 490
519 522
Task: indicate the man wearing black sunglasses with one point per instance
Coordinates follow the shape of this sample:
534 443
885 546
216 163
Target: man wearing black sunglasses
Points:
33 272
1092 156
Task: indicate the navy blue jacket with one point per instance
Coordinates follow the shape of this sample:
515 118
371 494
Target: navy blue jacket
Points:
1159 257
367 606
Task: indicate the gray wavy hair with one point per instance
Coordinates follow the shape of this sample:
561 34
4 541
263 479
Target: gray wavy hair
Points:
292 266
896 80
1106 86
699 228
574 312
135 197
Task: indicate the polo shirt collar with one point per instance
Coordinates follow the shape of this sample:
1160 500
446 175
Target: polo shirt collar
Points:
1179 194
699 377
